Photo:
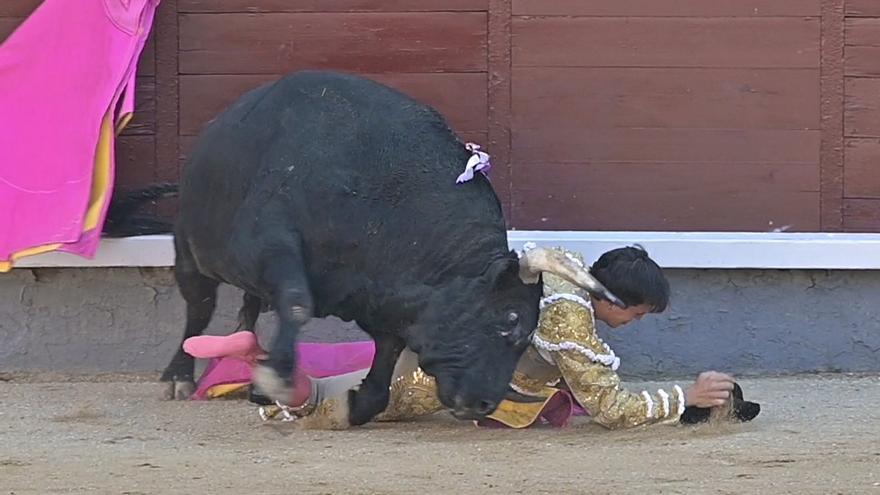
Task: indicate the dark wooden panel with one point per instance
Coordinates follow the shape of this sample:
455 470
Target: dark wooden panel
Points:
461 97
831 109
135 160
863 32
862 169
699 146
862 8
18 8
144 119
666 42
861 215
223 6
668 8
359 42
8 25
862 110
673 196
167 97
665 97
585 201
862 61
147 60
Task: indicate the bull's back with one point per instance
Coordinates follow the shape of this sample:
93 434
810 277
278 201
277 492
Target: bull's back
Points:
363 172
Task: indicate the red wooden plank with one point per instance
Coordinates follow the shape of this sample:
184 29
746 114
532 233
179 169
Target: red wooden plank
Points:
225 6
668 8
831 106
135 160
863 61
700 146
862 168
461 98
358 42
863 8
144 119
862 108
666 42
668 196
861 215
863 32
665 97
18 8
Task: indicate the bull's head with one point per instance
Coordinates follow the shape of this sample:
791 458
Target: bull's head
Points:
473 332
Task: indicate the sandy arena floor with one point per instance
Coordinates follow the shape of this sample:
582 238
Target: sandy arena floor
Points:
815 435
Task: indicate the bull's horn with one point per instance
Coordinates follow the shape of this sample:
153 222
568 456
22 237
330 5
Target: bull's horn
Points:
537 260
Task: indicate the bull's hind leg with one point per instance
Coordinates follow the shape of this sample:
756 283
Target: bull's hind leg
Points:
249 312
284 275
200 294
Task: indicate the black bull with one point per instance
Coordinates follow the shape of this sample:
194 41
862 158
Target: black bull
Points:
328 194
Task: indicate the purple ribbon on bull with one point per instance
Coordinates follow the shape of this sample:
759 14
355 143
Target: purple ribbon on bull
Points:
478 162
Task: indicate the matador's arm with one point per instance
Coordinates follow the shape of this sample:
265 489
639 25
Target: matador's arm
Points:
566 335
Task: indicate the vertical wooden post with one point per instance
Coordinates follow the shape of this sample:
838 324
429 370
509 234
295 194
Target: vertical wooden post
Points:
831 88
499 98
167 96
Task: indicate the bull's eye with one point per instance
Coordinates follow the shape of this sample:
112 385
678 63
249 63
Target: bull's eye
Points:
512 318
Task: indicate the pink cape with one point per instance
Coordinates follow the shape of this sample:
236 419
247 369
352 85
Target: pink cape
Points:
320 360
67 78
314 359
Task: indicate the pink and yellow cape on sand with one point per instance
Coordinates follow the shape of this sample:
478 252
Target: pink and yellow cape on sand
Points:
67 79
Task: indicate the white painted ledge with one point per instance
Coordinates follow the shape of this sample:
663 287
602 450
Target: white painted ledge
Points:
671 249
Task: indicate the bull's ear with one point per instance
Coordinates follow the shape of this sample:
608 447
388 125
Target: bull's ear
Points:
502 270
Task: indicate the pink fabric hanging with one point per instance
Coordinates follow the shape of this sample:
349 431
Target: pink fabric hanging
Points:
67 78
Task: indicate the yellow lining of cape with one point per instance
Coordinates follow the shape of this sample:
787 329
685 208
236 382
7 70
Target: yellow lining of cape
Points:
98 193
522 414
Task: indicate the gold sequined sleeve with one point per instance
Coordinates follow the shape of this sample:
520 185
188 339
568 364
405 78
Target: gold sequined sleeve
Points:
567 335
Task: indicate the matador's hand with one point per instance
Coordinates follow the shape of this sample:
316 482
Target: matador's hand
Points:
710 390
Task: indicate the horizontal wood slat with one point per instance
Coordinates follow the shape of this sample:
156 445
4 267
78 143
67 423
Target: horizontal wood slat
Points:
280 43
666 42
862 107
668 8
863 32
692 210
863 8
224 6
665 97
460 97
862 170
862 61
699 146
861 215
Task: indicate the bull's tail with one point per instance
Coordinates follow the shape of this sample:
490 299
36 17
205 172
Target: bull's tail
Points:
122 219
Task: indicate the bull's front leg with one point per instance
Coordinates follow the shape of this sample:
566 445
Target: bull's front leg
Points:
371 398
353 399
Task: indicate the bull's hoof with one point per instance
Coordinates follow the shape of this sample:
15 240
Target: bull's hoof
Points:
330 414
178 390
267 383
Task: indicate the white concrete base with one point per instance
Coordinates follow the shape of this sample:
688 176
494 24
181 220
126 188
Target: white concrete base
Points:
670 249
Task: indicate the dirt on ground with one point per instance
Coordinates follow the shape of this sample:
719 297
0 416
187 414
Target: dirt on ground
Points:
815 435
